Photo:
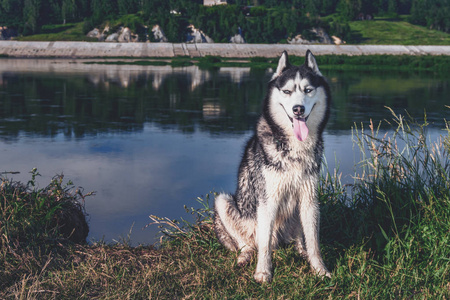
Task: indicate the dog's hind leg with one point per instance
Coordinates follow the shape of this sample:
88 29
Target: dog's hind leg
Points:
223 235
300 244
232 230
245 256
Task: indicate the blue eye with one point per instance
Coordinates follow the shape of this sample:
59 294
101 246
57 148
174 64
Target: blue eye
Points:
287 92
307 90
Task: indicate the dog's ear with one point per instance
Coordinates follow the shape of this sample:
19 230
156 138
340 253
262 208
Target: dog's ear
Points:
283 63
310 61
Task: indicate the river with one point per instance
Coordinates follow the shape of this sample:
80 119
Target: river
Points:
150 140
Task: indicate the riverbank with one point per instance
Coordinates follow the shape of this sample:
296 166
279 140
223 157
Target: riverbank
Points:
438 64
159 50
385 238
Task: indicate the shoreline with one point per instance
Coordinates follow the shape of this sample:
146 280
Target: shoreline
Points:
18 49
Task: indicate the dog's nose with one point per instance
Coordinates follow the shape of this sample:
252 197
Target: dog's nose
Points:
298 110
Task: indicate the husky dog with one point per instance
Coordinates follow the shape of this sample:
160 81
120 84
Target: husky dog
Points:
276 199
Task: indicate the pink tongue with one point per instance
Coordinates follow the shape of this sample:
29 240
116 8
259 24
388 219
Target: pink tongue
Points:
300 129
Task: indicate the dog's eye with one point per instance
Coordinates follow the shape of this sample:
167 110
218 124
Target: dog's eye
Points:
308 90
287 92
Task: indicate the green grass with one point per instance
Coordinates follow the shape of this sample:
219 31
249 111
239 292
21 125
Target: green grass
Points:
53 33
436 64
385 236
134 62
396 32
428 63
174 62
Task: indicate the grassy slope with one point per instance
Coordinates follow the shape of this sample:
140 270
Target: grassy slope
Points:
397 32
379 31
53 33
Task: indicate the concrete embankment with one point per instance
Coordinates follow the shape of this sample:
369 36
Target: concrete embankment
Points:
88 50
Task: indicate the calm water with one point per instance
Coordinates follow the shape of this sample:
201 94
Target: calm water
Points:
149 140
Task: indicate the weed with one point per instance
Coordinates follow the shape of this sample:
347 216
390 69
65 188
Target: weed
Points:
36 222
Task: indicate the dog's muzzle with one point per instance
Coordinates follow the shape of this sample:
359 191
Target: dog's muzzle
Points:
298 110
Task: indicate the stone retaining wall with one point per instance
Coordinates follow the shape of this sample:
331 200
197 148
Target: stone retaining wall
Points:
88 50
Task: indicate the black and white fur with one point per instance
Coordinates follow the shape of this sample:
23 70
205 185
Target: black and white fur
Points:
276 199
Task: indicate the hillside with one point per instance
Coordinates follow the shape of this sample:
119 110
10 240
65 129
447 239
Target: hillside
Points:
380 31
255 21
383 31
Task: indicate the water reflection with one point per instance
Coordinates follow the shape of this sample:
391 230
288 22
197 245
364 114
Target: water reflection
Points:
60 97
151 139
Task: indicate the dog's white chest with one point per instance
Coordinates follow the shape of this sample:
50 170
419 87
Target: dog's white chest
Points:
281 184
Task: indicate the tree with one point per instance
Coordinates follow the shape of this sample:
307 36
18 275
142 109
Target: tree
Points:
349 9
175 28
156 11
11 13
83 9
392 6
327 7
50 12
126 7
434 14
68 8
31 16
310 8
103 10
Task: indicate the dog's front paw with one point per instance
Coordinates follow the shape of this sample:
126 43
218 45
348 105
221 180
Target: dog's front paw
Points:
263 277
318 267
323 272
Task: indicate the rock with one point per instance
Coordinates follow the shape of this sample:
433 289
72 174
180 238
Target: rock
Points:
298 39
125 35
112 37
101 37
322 38
158 34
207 38
337 40
7 33
197 36
94 33
237 39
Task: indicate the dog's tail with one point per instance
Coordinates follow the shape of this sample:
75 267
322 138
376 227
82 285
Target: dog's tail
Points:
232 230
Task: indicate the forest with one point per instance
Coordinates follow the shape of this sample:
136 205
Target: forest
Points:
259 21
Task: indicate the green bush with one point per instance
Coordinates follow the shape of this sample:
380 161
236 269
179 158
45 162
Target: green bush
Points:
87 26
31 216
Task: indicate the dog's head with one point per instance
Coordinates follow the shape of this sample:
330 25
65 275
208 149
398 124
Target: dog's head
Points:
299 96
